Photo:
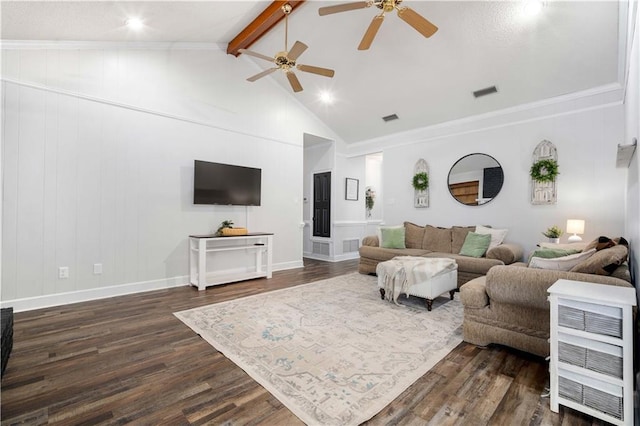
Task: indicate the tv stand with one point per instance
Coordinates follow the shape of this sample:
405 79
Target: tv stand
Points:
201 245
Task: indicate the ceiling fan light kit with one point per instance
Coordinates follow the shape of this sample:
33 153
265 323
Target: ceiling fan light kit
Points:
286 59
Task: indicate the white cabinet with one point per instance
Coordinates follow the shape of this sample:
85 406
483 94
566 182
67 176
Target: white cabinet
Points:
591 364
203 246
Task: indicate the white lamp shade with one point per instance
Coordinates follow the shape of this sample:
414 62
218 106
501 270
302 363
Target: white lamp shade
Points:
575 226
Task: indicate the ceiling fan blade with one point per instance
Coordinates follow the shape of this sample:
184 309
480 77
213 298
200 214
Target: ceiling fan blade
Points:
371 32
256 54
328 10
417 21
316 70
296 50
294 82
262 74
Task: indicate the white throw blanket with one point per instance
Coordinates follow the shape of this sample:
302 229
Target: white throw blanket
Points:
397 275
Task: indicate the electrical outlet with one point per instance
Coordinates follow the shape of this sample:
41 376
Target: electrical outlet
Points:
63 272
97 268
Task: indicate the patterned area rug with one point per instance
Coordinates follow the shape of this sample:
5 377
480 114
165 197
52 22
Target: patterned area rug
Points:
331 351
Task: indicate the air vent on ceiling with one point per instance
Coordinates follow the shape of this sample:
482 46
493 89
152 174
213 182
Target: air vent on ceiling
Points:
390 117
486 91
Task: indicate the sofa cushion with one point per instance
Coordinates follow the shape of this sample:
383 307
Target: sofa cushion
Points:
604 262
497 235
392 237
458 234
413 235
382 254
437 239
565 263
475 245
472 265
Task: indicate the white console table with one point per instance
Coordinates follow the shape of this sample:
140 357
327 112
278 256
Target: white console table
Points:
201 245
591 365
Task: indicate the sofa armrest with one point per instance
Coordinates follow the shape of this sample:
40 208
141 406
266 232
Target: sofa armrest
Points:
371 240
507 253
473 294
518 285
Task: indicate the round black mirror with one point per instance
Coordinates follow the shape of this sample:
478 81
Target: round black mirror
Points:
475 179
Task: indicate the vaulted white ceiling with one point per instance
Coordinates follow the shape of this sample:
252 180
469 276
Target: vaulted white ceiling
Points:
569 47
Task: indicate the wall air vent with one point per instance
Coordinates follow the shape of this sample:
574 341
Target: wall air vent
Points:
321 248
390 117
350 246
486 91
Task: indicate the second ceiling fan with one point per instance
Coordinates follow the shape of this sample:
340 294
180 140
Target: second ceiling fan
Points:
411 17
286 60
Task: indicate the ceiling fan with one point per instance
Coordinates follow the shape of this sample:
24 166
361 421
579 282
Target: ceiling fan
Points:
411 17
286 60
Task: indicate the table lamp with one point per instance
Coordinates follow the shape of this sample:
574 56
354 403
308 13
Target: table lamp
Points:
575 226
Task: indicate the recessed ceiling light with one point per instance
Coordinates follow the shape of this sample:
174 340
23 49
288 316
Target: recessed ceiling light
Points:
532 7
135 24
326 98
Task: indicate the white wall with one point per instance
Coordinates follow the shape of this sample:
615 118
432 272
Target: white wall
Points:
98 150
632 114
589 185
374 180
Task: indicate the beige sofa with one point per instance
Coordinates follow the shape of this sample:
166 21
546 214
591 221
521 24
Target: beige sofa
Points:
509 305
430 241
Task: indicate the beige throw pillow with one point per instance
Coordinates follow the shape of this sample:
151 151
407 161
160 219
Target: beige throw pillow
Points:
564 263
497 235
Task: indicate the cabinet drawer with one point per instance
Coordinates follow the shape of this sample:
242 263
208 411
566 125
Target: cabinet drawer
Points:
591 318
603 397
595 356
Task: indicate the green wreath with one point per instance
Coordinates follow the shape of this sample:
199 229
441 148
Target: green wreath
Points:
421 181
544 170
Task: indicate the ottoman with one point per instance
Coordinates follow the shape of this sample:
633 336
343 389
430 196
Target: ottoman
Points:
429 288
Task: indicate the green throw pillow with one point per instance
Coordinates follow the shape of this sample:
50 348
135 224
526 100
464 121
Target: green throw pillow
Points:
475 245
392 237
552 253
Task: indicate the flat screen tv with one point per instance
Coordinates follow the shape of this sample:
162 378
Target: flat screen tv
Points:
226 184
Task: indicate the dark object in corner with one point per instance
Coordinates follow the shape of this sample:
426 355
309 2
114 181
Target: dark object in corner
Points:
7 335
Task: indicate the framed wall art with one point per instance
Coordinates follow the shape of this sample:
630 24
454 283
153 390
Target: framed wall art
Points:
351 189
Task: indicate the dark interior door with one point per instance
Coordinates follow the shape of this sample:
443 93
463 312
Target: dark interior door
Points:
322 204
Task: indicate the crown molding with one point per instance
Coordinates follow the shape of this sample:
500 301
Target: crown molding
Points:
120 45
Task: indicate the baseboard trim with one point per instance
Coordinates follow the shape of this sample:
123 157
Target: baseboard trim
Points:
59 299
338 258
50 300
288 265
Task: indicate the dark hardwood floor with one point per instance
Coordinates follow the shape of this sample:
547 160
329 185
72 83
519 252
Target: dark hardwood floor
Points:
129 360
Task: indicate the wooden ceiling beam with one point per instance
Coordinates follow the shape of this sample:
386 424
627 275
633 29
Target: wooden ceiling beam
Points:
260 26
